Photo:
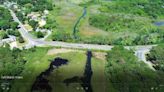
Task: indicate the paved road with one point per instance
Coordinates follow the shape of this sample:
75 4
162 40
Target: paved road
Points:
38 42
140 51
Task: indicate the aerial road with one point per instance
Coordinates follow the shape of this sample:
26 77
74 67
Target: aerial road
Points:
37 42
140 50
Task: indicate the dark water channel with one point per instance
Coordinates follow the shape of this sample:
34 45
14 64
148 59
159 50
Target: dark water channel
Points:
75 29
85 80
41 83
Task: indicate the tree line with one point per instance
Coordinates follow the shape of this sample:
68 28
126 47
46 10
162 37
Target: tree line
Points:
125 73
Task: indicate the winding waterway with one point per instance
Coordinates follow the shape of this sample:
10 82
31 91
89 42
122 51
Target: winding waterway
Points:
75 29
41 83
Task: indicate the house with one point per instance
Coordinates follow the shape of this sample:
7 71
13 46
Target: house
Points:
34 16
42 22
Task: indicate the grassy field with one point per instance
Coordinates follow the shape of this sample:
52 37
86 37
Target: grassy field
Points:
37 62
117 28
75 67
140 25
65 14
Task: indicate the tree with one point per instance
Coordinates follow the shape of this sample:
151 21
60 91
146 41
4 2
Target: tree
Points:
156 56
20 16
4 24
127 74
33 23
14 32
50 24
4 36
14 25
61 36
11 65
40 34
21 40
5 18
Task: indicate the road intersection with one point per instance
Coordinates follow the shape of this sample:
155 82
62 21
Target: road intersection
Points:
140 51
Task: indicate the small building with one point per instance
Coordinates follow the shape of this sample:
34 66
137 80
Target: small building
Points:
34 16
46 12
42 22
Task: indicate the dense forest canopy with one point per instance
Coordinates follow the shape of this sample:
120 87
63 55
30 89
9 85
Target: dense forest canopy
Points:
11 61
156 56
152 8
35 5
7 24
127 73
6 20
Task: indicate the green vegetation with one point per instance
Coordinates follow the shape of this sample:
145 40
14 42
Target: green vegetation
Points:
51 24
37 61
108 22
131 20
150 8
121 22
7 25
21 40
37 5
14 32
61 36
113 22
33 24
20 16
40 34
126 73
75 67
156 57
3 34
62 20
11 61
14 25
6 20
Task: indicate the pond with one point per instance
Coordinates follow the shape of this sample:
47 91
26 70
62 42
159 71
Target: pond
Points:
161 23
41 83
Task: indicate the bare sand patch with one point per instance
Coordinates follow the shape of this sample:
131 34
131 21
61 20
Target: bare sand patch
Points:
100 55
28 27
60 50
